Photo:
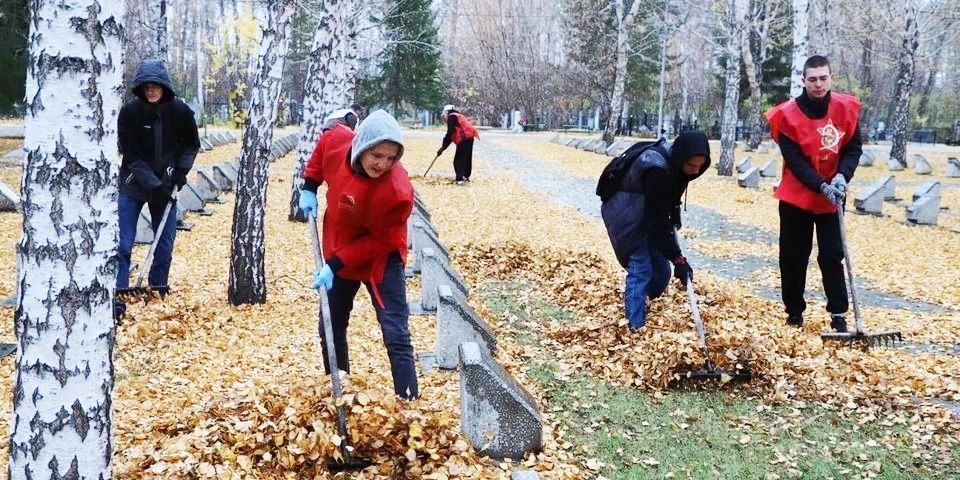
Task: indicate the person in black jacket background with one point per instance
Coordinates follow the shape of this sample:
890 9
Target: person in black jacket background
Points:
643 213
158 142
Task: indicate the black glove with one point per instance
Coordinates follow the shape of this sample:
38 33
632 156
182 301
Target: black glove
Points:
180 178
161 194
675 217
682 270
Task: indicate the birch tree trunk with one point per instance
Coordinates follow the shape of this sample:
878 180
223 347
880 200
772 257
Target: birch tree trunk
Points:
731 98
935 65
624 22
317 73
906 67
62 422
158 16
801 36
247 272
750 69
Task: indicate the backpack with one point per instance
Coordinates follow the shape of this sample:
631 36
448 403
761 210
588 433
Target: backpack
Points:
614 172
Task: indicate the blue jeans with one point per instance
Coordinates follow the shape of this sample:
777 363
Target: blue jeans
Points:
648 274
129 212
393 315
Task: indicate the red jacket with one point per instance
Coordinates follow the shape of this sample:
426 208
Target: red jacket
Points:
820 140
365 218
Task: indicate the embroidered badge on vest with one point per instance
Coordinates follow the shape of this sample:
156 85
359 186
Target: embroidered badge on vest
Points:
830 137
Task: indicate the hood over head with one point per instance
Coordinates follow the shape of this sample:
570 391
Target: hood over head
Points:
378 127
689 144
343 116
153 71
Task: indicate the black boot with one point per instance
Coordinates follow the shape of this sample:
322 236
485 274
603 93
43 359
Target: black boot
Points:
795 320
838 323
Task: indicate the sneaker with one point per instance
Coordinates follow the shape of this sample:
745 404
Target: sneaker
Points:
838 323
459 182
795 320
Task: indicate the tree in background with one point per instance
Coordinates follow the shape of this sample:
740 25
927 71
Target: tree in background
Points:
62 423
410 72
247 267
13 53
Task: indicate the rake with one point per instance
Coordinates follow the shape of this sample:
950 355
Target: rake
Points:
138 290
431 165
709 371
859 335
346 462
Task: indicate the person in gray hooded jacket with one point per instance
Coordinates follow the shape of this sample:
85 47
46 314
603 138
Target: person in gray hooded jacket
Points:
158 142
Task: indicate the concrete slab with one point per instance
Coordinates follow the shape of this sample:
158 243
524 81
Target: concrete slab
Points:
9 200
457 322
750 178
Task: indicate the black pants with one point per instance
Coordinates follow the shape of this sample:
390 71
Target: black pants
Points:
393 316
796 242
463 160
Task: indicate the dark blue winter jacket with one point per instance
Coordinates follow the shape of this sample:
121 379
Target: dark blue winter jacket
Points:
157 141
642 209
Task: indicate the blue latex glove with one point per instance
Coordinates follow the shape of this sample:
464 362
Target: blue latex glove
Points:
323 278
834 194
840 182
308 202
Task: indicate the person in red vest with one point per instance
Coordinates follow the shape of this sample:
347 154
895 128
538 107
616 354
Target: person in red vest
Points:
461 132
820 142
369 199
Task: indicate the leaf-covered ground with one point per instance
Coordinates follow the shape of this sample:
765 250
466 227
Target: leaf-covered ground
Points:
207 390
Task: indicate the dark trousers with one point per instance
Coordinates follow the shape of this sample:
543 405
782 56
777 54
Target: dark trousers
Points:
128 209
796 242
463 160
393 316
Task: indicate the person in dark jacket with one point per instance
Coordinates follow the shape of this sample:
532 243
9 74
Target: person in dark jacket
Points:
158 141
642 215
819 137
460 131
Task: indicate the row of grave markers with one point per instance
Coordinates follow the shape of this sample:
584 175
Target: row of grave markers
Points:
499 417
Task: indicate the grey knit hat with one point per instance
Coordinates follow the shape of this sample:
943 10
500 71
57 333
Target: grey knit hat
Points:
379 126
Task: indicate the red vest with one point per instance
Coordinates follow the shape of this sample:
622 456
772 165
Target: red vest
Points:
820 140
365 218
464 129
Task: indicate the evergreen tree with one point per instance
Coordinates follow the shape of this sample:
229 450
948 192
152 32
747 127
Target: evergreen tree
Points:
13 53
410 72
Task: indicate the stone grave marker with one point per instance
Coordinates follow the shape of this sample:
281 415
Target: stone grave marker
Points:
498 416
927 188
570 141
224 183
189 200
744 165
205 144
769 169
953 167
619 147
11 131
555 138
9 200
436 272
889 187
762 148
230 170
206 187
457 322
525 475
424 236
230 136
924 211
750 178
894 166
16 153
866 159
870 200
921 166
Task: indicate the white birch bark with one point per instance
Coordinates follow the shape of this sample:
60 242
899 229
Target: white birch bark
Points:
161 39
313 113
247 270
906 71
731 98
801 36
624 23
61 422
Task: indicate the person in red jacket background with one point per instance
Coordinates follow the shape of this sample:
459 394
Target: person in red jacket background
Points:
369 199
460 131
820 141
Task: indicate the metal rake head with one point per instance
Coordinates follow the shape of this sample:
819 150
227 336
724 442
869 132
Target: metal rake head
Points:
866 339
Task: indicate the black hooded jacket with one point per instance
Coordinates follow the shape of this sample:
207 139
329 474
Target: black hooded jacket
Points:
640 210
156 140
